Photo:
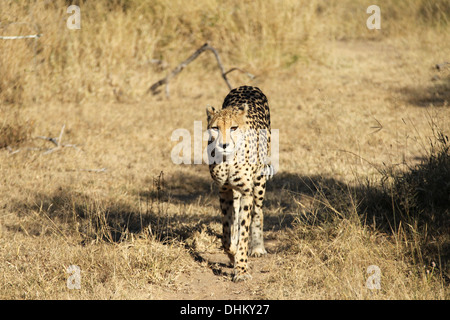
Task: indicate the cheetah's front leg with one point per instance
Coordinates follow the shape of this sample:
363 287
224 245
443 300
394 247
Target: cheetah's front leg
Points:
256 228
226 206
241 257
234 222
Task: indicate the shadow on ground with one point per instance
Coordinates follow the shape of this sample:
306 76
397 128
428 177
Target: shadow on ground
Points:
419 198
436 94
102 218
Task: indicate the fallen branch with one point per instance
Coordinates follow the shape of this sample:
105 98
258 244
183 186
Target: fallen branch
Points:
165 81
11 151
251 76
57 142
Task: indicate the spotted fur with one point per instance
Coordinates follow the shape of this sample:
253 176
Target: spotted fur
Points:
240 145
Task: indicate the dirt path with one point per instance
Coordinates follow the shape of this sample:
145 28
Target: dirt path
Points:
210 278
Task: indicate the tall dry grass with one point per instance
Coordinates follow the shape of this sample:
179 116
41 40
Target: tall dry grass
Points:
110 56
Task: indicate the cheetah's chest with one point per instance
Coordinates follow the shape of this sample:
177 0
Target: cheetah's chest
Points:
233 174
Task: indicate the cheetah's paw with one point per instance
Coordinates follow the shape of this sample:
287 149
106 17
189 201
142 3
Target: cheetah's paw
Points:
258 251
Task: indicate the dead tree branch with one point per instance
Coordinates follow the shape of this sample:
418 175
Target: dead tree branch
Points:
165 81
57 142
251 76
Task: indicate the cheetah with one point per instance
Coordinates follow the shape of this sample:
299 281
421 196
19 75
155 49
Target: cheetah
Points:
239 144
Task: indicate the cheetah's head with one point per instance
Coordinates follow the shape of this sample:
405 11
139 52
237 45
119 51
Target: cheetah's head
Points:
226 128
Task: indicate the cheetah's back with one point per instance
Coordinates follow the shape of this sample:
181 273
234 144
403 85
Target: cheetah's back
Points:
258 106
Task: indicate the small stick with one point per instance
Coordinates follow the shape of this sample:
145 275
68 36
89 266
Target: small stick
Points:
57 142
11 151
52 140
60 135
251 76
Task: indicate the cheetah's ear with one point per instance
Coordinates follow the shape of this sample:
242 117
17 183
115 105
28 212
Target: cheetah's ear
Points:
210 111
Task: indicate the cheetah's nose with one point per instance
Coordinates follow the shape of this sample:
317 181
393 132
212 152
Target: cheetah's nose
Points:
224 146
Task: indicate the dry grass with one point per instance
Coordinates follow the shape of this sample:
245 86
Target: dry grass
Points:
364 162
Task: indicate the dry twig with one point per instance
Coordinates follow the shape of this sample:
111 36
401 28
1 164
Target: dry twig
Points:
165 81
57 142
251 76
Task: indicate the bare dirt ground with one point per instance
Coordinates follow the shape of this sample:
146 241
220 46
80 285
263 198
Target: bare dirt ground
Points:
210 279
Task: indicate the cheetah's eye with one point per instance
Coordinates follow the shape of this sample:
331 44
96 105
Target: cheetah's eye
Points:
234 128
215 128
